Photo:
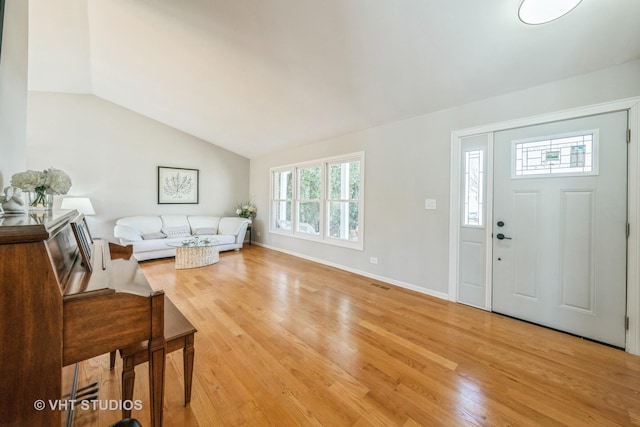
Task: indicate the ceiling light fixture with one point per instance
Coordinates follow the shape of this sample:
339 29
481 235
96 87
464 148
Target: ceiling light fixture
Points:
536 12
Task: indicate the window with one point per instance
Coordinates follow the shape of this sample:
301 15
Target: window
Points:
474 188
323 203
282 198
574 154
343 200
308 200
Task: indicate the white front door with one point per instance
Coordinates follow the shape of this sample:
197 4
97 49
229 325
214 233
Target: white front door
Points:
559 225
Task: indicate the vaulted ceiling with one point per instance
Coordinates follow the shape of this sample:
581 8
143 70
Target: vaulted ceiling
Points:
258 76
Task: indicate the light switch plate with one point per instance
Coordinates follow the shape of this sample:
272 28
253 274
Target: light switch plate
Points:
430 204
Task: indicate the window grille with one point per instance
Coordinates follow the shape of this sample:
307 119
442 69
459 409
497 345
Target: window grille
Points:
565 155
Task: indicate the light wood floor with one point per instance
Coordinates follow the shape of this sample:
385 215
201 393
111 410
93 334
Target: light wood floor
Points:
286 342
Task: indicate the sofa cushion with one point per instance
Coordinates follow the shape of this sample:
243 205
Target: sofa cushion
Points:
174 221
173 232
143 224
156 235
225 239
203 221
204 231
154 245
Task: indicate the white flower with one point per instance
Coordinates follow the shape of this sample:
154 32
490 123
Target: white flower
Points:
28 180
56 181
246 210
50 181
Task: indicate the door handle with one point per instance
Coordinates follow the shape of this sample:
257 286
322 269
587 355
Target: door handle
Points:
501 236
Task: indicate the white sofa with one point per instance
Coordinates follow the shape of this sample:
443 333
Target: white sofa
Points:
149 234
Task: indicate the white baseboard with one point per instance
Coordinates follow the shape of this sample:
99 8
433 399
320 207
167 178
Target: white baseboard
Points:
441 295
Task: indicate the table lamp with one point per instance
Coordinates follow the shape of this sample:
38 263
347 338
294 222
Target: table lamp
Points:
81 204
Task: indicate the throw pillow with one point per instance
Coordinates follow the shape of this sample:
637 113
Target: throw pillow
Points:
204 231
152 236
172 232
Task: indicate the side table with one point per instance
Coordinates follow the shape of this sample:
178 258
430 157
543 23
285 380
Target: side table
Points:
195 253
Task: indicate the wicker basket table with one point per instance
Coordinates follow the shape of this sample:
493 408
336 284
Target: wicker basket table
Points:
195 253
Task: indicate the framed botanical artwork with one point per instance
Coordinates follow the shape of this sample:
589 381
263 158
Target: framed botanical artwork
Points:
177 185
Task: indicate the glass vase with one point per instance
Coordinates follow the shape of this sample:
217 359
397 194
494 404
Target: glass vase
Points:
39 201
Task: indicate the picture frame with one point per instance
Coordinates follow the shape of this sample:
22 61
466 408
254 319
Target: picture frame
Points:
1 23
86 228
83 240
177 185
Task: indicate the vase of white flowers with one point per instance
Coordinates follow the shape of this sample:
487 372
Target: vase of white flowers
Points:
41 186
246 210
40 201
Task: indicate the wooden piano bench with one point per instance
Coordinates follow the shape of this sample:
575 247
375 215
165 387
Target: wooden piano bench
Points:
178 334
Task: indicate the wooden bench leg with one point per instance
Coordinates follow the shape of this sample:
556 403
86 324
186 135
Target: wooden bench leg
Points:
157 363
128 380
179 334
188 354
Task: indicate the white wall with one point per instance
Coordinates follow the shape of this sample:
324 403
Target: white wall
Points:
13 90
408 161
112 155
60 46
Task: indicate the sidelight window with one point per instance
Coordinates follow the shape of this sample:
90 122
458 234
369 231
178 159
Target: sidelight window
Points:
474 176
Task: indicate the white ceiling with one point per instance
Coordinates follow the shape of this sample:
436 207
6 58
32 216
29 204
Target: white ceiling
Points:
257 76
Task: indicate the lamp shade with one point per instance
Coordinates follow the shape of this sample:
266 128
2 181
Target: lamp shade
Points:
541 11
81 204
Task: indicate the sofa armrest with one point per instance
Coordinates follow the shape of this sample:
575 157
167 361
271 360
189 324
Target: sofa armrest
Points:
242 233
126 233
234 226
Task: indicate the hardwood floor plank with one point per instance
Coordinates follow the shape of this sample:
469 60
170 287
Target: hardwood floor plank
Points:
284 341
410 345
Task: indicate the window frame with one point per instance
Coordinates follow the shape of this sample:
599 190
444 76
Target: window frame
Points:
273 201
323 235
328 199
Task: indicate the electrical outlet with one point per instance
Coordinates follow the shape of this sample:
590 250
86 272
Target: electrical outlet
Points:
258 233
373 260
